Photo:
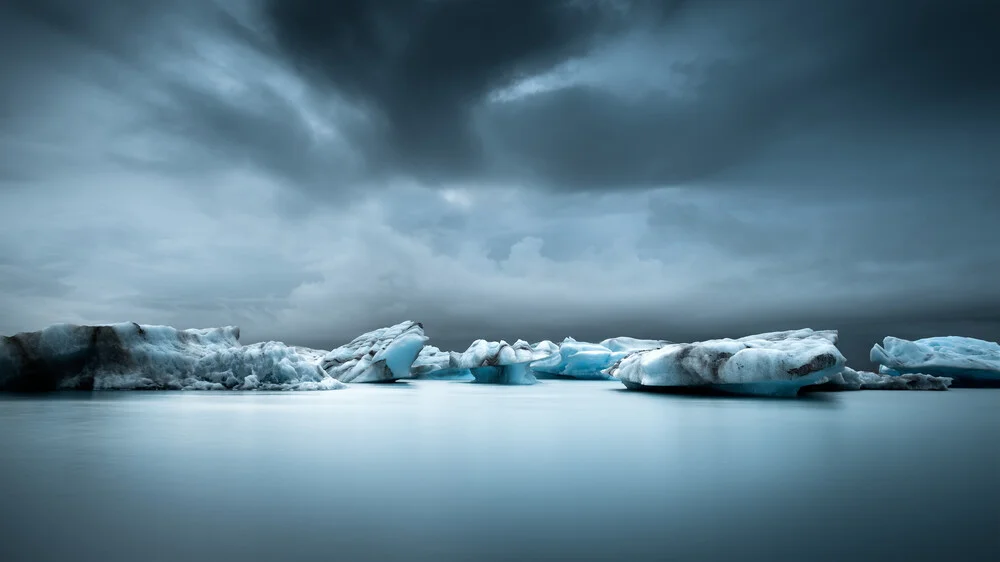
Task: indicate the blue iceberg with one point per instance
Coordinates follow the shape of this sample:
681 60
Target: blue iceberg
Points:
382 355
585 360
499 362
969 361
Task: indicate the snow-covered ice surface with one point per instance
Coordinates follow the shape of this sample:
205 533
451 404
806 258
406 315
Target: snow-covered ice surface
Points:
771 364
849 379
585 360
969 361
309 354
545 348
433 364
429 359
627 344
382 355
500 362
129 356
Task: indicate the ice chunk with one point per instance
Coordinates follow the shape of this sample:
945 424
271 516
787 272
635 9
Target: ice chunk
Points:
130 356
273 366
580 360
382 355
432 363
584 360
429 360
491 353
500 362
849 379
632 344
967 360
774 364
545 348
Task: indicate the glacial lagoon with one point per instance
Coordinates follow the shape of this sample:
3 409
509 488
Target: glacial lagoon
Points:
438 471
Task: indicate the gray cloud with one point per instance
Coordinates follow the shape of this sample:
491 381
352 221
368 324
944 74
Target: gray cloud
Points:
720 87
421 67
309 170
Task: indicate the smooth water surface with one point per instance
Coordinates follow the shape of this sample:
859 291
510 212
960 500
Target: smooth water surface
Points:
562 470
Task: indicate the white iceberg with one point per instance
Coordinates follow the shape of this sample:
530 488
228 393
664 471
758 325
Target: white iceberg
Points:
429 360
627 344
545 348
585 360
433 364
382 355
849 379
772 364
969 361
129 356
500 362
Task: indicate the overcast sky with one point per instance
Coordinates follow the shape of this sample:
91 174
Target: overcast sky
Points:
510 168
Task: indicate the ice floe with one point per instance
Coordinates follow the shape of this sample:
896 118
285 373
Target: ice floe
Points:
498 362
382 355
969 361
849 379
774 364
129 356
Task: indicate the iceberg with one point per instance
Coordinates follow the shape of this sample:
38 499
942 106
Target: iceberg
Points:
770 364
581 360
500 362
632 344
545 348
429 360
382 355
849 379
584 360
969 361
433 364
130 356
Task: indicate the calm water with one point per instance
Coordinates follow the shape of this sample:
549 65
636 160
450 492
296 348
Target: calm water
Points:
448 471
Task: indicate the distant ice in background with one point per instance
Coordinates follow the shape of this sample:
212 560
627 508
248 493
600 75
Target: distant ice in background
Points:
969 361
498 362
382 355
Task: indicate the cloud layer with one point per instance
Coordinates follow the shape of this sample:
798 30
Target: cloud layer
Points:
310 170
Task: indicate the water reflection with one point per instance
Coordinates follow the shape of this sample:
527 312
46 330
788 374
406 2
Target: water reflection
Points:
708 396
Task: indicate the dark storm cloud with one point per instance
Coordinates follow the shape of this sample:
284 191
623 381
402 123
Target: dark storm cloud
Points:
848 71
151 66
772 92
422 66
853 88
